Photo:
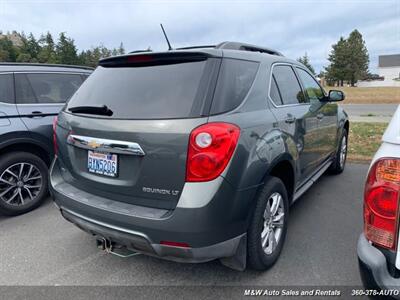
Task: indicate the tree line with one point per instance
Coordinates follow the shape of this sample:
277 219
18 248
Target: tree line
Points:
348 59
27 48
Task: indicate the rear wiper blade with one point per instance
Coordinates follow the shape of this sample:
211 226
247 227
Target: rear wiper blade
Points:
93 110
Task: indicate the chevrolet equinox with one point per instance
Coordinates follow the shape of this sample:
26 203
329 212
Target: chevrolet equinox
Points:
195 154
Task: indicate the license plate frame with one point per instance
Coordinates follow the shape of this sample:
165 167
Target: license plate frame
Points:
93 167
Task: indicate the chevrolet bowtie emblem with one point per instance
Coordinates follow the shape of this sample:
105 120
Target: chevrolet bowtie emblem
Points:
93 144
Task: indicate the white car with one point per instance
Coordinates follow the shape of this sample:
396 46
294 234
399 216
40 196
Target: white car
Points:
379 245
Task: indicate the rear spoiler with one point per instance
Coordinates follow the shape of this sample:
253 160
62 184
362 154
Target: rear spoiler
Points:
152 59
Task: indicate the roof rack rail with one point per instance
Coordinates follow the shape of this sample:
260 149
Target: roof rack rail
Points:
44 65
236 46
196 47
247 47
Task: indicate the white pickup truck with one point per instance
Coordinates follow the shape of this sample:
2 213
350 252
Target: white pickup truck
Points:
378 247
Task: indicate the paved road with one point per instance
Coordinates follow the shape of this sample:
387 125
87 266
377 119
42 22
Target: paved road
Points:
40 248
370 112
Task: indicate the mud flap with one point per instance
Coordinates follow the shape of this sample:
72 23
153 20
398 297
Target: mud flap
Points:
238 261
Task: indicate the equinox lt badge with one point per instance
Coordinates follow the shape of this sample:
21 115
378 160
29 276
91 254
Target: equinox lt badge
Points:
160 191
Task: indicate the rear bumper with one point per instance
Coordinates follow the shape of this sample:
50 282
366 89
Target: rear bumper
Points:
373 268
139 242
212 231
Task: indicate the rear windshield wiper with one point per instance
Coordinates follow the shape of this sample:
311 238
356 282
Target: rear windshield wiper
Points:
93 110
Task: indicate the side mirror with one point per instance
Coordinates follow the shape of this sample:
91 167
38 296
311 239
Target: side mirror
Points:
335 96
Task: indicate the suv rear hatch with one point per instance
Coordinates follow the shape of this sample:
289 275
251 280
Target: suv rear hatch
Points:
124 134
138 154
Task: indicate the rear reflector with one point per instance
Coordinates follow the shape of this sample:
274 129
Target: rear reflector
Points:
381 203
175 244
210 149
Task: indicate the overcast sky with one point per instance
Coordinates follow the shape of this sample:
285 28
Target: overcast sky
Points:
292 27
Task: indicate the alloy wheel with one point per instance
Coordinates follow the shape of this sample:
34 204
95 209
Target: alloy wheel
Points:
343 152
20 184
274 217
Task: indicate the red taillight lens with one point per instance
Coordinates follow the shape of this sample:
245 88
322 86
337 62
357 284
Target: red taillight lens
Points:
139 58
210 148
381 203
55 120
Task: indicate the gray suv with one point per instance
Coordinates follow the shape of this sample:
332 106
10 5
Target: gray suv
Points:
195 154
31 95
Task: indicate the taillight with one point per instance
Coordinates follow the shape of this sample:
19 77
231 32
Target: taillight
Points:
55 120
381 203
210 148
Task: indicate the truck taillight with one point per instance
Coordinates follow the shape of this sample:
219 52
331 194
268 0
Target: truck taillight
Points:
55 120
381 203
210 149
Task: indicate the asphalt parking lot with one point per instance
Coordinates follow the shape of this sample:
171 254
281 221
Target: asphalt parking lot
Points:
40 248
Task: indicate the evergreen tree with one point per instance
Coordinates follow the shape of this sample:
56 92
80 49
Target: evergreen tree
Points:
306 62
121 49
47 53
358 58
8 52
82 58
338 68
114 52
104 52
32 47
348 60
66 50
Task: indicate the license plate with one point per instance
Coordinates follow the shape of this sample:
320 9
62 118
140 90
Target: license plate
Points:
103 163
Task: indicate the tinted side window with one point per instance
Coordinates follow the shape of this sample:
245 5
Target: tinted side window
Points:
274 93
46 88
234 81
24 92
6 88
288 85
311 87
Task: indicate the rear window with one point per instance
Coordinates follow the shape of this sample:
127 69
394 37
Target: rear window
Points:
146 92
234 81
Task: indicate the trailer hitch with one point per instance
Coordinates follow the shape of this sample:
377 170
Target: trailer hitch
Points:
110 248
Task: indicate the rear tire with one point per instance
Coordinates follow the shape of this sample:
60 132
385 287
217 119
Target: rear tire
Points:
339 162
23 183
268 227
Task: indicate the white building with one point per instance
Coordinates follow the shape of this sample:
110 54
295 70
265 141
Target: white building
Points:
388 69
